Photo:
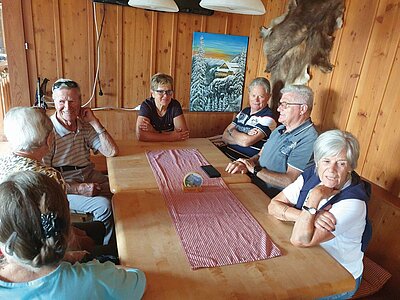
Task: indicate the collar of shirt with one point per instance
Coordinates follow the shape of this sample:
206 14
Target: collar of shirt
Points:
61 130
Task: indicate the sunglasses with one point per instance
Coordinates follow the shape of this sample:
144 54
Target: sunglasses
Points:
64 84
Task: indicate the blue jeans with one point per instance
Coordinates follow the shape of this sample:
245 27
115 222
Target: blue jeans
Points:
345 295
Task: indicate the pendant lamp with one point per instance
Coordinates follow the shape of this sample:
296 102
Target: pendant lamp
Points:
244 7
160 5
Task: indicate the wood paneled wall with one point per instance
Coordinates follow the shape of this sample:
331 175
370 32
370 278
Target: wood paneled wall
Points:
361 95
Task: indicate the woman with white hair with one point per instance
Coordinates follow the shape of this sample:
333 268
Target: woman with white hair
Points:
34 234
328 204
29 132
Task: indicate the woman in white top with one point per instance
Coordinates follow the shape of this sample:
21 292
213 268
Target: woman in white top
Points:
328 204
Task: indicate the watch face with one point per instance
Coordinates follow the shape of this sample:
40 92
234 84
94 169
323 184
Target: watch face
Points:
312 211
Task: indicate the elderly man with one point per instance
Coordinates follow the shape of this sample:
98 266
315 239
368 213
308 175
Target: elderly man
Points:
247 133
77 131
288 151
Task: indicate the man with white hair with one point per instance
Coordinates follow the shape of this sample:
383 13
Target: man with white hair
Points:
288 151
77 131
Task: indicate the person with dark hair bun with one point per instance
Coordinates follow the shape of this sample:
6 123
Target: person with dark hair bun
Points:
34 231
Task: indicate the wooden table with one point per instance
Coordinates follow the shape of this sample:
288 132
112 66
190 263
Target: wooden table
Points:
130 170
147 240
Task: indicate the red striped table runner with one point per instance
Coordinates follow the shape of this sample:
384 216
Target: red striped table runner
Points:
214 227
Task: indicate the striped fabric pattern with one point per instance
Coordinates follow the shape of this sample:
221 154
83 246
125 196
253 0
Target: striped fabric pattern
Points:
214 227
72 148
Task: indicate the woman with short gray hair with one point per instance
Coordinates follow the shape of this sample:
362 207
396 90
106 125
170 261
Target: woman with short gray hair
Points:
328 204
30 134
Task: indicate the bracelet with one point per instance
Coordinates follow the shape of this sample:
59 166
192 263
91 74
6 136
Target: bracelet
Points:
101 131
284 211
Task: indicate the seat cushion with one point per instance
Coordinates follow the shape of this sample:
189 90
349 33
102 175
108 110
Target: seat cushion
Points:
373 279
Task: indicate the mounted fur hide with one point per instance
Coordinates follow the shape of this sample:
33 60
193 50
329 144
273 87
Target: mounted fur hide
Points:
300 38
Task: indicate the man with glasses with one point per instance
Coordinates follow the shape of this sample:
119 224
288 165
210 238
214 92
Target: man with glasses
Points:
161 117
77 131
288 151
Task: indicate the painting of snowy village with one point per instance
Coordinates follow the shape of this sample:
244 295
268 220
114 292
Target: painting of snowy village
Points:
218 69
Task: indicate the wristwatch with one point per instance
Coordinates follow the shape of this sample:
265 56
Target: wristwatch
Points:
257 169
311 210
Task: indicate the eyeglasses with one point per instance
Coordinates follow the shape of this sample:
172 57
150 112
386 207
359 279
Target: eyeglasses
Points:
164 92
286 104
64 83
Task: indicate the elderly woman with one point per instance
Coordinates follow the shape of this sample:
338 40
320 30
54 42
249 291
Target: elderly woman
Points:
248 132
29 132
328 204
161 117
34 233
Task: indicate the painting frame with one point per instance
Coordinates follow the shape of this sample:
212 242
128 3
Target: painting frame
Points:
218 72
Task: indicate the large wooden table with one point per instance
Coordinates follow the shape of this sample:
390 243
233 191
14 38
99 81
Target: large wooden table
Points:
147 240
130 170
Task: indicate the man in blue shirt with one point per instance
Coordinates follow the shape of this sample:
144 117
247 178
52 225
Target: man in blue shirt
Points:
288 150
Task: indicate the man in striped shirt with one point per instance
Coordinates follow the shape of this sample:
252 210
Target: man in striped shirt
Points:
77 131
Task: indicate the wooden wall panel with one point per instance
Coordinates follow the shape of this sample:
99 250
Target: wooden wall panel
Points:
108 72
45 48
217 23
136 55
15 44
375 74
187 24
74 42
31 51
353 46
165 35
382 164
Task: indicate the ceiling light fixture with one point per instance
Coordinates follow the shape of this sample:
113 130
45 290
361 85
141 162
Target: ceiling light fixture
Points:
160 5
245 7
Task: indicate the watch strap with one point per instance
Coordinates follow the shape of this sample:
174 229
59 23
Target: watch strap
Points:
257 169
311 210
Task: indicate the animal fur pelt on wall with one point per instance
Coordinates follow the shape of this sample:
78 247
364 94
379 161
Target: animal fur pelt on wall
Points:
301 37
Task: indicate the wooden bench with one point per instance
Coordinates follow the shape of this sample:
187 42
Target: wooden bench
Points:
384 248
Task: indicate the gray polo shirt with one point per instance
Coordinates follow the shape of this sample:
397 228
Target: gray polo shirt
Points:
294 148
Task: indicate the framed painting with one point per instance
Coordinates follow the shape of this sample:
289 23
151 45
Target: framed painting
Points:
218 69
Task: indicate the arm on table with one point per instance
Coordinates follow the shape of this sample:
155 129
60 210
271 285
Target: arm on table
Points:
277 179
281 208
305 232
145 131
232 136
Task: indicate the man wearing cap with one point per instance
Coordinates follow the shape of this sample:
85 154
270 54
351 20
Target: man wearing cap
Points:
77 131
288 151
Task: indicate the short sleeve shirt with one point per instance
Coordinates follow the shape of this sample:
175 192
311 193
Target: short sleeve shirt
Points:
148 109
294 148
92 280
72 148
245 121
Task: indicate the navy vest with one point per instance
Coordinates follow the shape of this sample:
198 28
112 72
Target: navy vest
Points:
358 189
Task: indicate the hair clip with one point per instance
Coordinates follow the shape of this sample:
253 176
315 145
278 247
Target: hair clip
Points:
10 243
51 224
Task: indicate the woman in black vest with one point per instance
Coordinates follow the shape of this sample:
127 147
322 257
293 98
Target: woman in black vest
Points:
328 203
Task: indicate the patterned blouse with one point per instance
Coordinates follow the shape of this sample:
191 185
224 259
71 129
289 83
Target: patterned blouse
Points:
12 163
